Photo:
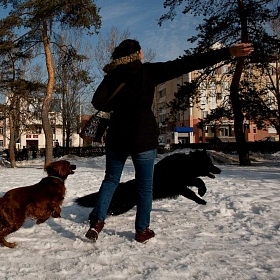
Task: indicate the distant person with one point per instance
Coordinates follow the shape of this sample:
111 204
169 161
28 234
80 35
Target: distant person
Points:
7 151
57 150
42 152
24 153
133 129
34 154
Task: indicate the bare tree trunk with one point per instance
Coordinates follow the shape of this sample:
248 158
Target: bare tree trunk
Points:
67 145
277 83
243 152
234 95
48 96
12 143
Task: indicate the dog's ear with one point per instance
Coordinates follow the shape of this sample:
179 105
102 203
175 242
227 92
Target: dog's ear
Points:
49 168
60 168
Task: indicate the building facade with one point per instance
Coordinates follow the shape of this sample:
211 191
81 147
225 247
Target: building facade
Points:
34 139
187 126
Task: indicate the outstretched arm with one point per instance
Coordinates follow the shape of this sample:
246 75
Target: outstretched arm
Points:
163 71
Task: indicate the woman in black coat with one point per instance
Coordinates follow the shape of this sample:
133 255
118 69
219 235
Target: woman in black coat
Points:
133 129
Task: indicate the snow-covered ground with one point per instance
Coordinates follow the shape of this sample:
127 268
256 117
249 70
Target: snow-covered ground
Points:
235 236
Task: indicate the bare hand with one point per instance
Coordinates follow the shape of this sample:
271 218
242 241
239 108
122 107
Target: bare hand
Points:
242 49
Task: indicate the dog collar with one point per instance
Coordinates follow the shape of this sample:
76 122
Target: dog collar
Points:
56 178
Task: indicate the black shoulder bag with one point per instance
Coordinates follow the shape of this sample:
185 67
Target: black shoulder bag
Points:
96 126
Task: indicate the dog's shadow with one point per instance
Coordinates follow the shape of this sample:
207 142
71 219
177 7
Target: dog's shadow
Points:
70 217
74 216
71 213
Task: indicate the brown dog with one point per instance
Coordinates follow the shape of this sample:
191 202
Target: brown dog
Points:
39 201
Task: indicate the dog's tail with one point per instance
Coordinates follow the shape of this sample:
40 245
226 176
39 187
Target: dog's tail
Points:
88 201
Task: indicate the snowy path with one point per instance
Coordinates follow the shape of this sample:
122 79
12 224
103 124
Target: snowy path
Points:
235 236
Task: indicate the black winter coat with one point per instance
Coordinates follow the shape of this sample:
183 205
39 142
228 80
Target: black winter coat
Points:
133 128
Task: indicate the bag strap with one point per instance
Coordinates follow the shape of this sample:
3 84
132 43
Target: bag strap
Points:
115 92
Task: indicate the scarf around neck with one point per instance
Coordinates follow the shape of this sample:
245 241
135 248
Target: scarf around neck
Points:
122 60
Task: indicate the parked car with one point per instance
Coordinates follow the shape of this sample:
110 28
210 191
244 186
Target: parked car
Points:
215 140
267 139
162 147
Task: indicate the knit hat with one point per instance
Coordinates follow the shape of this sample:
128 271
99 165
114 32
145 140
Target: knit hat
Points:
125 48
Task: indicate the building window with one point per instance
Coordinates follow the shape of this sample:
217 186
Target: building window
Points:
271 71
203 99
213 102
204 114
209 131
1 130
212 85
225 85
1 143
224 131
38 115
203 85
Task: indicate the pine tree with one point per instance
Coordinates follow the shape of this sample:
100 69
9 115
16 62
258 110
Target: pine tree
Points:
31 24
229 22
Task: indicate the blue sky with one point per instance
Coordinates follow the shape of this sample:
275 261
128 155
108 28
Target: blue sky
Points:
140 18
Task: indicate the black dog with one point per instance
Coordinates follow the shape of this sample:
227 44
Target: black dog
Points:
172 176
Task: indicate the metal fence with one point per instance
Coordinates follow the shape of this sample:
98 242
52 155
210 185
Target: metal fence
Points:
232 147
226 147
87 151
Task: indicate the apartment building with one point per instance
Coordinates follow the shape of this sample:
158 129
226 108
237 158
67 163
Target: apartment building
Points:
35 140
32 135
185 129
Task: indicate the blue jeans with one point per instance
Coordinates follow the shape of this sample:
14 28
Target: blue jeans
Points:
144 170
